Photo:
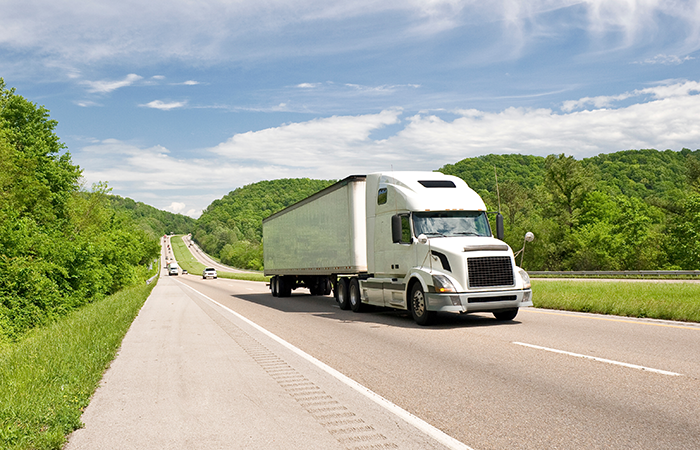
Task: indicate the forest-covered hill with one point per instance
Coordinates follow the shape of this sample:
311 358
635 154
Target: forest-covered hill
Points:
231 227
153 221
630 210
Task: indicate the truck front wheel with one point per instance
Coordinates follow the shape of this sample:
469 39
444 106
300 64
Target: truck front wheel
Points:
354 295
419 306
506 314
341 293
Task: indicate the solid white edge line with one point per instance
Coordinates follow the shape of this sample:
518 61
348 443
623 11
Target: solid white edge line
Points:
420 424
609 361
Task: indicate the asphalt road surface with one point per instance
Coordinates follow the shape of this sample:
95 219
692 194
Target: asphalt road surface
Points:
546 380
220 364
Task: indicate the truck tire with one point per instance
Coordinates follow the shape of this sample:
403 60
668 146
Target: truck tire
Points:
274 286
354 296
327 287
341 293
506 314
419 306
284 286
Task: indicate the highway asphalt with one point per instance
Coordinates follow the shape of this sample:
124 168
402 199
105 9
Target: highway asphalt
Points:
192 374
223 364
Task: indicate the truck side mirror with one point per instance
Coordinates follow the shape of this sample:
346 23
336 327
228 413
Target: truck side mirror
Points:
499 226
396 229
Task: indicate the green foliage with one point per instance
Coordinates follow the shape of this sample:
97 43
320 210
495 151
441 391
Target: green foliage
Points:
60 246
629 210
231 228
153 221
47 379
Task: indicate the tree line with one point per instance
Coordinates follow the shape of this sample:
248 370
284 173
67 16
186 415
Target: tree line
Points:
630 210
231 228
61 246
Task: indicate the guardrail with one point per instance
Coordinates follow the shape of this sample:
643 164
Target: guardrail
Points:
623 273
150 280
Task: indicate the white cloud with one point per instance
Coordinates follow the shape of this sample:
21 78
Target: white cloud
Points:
221 30
176 207
104 87
337 138
157 104
338 146
662 90
667 60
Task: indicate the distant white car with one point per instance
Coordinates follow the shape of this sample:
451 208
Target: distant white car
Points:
209 272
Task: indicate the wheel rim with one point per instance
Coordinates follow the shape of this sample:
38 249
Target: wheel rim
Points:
418 303
354 297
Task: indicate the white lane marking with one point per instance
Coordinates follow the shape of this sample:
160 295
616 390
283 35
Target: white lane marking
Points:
443 438
609 361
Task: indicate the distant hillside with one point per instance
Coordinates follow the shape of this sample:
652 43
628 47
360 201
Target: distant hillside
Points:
153 221
638 173
630 210
231 228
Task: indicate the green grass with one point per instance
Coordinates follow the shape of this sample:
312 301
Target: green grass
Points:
47 378
188 262
670 301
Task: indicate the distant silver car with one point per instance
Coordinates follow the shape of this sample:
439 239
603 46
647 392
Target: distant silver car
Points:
209 272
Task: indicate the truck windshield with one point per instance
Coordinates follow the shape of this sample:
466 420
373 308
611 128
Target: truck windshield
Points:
451 223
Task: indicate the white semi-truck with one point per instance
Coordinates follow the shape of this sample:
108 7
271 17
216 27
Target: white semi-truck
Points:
417 241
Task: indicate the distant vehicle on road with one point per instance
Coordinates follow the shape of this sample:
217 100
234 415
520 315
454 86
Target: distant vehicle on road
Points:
173 268
209 272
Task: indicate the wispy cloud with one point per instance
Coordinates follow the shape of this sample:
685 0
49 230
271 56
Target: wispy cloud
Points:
220 30
165 106
338 146
667 60
105 86
671 88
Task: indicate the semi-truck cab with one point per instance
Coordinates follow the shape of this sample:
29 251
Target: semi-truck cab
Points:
418 241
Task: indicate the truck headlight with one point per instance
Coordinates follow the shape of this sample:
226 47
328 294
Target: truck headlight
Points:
443 284
525 277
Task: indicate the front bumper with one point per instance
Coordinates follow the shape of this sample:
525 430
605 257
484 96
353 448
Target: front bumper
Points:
479 301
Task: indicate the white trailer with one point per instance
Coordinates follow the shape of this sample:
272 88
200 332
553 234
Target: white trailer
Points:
417 241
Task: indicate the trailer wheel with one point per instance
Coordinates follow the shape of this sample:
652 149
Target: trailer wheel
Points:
327 286
506 314
354 296
284 286
341 293
419 306
273 286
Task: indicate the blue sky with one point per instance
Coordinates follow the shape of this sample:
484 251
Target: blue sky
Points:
175 103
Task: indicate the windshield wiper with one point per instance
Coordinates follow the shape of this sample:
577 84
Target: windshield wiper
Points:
433 233
468 233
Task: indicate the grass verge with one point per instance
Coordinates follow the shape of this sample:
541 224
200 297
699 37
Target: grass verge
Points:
670 301
187 261
47 378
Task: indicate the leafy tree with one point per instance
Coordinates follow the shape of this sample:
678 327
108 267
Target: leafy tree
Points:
569 182
60 246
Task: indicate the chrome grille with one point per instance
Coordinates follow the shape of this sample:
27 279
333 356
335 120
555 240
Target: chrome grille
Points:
490 271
